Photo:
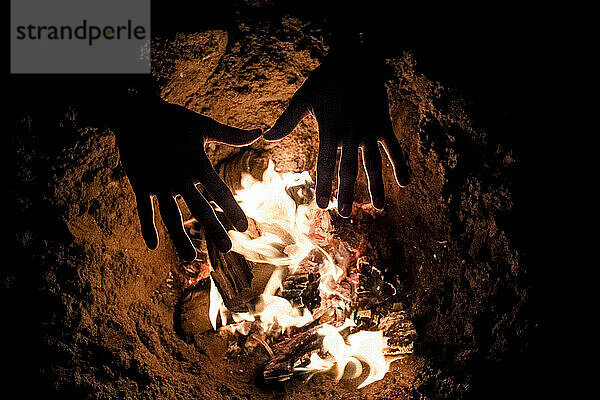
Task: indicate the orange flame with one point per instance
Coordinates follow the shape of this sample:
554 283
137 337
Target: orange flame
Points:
283 240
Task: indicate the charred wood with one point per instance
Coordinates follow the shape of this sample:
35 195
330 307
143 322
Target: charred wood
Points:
232 273
289 351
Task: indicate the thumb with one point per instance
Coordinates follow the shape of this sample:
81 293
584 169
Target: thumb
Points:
234 136
212 130
293 114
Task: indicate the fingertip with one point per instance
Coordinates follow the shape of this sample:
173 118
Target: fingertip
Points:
345 210
183 244
149 233
151 241
403 180
379 203
323 202
224 245
241 225
188 253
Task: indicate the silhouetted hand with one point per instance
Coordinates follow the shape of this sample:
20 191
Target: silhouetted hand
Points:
162 149
349 101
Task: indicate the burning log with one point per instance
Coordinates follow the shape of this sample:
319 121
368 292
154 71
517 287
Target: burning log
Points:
289 352
232 273
302 319
293 287
301 288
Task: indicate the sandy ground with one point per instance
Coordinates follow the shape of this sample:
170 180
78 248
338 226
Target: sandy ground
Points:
107 310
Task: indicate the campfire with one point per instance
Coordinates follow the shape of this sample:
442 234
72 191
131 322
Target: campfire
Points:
293 286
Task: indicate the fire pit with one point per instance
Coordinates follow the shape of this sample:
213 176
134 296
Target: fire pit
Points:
416 301
322 305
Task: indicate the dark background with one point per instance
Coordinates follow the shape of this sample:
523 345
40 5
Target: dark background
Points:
503 59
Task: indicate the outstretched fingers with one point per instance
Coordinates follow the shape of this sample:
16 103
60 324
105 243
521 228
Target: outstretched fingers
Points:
171 216
372 165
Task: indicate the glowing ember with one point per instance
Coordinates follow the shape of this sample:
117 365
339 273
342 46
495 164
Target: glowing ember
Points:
286 230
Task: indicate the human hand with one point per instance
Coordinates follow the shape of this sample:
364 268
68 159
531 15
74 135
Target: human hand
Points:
162 150
349 101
